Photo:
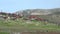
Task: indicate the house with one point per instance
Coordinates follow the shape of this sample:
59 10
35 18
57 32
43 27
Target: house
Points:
9 15
32 17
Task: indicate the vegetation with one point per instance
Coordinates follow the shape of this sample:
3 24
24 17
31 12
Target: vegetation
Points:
53 23
20 25
4 33
53 15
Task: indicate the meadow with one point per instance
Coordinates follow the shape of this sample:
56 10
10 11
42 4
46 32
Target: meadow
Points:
27 25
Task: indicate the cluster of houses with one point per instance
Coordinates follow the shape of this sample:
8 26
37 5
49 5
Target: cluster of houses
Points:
34 16
14 16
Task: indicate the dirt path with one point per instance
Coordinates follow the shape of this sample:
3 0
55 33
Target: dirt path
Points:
40 33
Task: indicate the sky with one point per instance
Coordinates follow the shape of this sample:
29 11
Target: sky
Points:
16 5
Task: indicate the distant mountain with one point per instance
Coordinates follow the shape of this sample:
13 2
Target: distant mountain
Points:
39 11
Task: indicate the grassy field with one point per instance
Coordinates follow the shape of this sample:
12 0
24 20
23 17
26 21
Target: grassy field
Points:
27 25
4 33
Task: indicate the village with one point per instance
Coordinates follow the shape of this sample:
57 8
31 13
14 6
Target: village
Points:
13 16
27 23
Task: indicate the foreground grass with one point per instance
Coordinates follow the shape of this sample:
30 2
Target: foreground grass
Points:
27 25
4 33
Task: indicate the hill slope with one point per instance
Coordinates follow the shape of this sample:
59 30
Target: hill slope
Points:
47 11
52 15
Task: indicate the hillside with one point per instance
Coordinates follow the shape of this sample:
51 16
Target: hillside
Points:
52 15
19 25
40 10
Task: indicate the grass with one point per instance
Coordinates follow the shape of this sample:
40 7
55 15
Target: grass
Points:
4 33
28 25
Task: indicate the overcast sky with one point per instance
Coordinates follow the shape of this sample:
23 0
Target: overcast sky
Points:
15 5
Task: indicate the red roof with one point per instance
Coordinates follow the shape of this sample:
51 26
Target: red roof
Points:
32 16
